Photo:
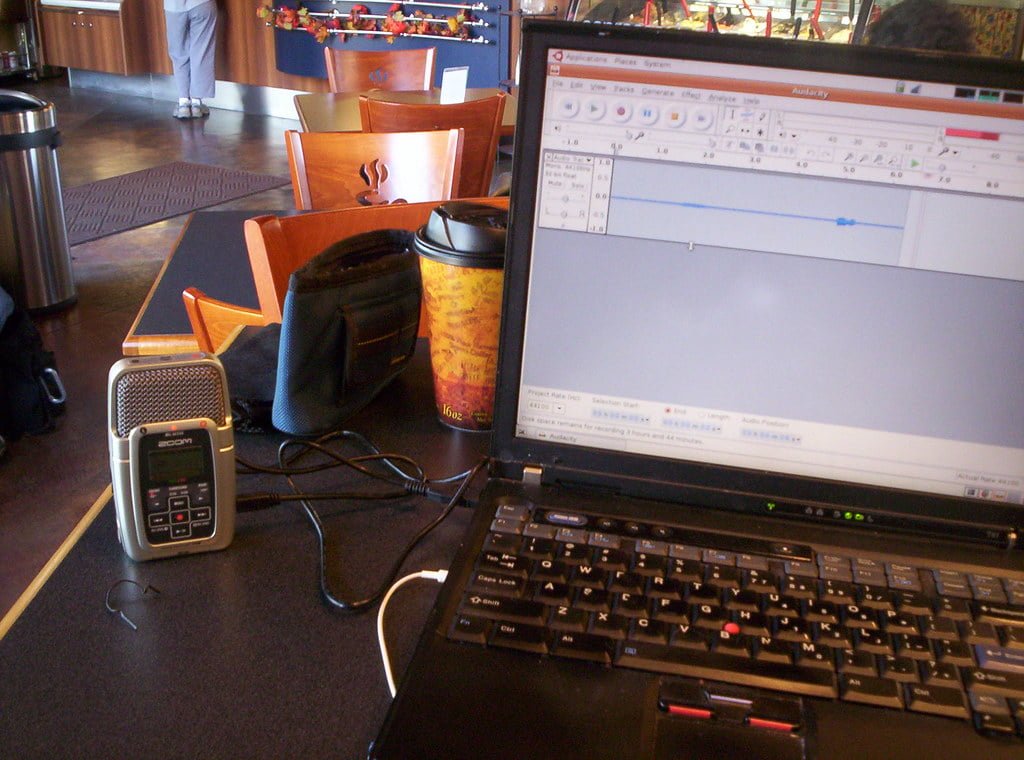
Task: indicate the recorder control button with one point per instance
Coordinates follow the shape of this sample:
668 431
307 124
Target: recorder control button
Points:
181 531
180 517
156 521
202 528
178 502
156 500
201 495
203 513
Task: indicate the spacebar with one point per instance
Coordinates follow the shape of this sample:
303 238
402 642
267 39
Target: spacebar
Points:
812 682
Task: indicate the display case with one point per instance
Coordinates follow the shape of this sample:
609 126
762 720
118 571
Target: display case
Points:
824 20
998 24
18 49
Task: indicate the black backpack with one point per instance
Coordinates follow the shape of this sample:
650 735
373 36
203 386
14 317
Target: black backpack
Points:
31 392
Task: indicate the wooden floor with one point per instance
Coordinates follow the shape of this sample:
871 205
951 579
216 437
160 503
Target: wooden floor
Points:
47 483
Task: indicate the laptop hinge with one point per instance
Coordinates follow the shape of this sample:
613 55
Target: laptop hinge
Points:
532 474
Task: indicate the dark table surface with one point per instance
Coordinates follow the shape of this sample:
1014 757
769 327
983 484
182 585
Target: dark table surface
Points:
238 656
210 255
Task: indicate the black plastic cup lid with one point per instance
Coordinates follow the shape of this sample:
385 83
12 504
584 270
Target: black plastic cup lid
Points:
465 234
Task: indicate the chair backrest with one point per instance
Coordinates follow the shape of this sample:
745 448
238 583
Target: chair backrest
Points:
278 245
361 70
213 320
339 169
481 120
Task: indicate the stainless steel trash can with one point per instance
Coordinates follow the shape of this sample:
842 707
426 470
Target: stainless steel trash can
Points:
35 264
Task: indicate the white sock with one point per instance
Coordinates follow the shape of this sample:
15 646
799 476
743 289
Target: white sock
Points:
182 101
197 101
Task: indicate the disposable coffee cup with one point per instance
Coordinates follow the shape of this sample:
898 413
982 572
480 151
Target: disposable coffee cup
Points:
462 256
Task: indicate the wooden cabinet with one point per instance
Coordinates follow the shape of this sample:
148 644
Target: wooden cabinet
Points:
118 37
83 39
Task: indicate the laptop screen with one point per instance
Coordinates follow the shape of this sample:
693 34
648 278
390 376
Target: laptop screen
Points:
781 269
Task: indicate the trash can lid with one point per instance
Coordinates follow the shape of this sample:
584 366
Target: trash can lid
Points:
21 113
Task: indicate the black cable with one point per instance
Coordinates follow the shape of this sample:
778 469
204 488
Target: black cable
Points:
362 604
375 455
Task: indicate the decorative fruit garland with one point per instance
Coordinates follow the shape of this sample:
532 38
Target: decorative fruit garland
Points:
394 23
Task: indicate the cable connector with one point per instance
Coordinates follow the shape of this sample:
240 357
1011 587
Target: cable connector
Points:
250 502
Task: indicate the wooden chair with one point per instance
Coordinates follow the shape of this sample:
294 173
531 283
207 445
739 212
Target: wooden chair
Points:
481 120
278 245
339 169
213 320
361 70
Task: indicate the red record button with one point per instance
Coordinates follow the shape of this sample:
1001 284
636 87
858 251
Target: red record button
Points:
179 517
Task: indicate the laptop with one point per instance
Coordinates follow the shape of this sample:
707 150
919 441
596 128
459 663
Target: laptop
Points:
757 466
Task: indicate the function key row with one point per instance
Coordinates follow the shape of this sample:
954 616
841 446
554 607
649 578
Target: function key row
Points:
579 530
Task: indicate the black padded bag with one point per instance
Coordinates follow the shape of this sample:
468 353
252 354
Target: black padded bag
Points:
31 392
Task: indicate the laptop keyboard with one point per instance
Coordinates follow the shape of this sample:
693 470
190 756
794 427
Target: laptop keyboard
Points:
749 612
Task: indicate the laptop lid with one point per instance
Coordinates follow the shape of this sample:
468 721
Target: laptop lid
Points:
774 277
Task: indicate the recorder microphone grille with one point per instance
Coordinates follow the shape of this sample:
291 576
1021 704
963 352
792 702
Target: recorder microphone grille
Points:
169 393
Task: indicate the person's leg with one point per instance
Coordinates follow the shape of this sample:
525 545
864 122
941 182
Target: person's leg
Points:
178 51
202 55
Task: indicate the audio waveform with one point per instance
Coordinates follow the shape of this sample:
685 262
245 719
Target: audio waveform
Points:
839 221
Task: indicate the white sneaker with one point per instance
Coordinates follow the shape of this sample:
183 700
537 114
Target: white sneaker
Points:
182 112
200 110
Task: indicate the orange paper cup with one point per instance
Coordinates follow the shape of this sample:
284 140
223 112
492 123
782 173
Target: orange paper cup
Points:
462 273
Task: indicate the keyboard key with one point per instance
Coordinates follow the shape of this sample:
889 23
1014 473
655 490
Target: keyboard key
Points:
855 616
993 682
529 638
583 646
771 650
607 624
953 608
650 631
500 608
914 647
672 611
871 691
718 667
502 562
987 703
982 633
551 592
630 605
941 672
504 585
588 575
723 576
936 700
996 725
538 548
650 564
912 603
565 618
688 637
593 599
997 658
1013 637
838 592
1005 614
752 562
505 525
857 663
956 652
899 669
469 628
881 598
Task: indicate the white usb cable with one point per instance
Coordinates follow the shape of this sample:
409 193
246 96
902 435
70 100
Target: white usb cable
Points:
435 575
